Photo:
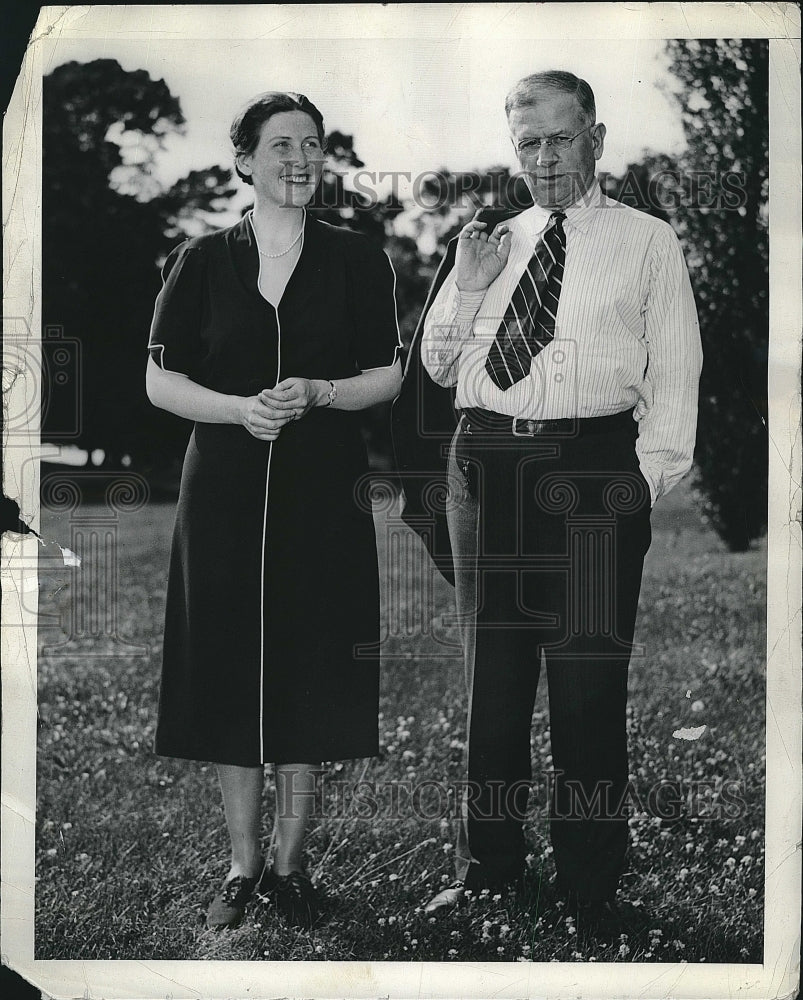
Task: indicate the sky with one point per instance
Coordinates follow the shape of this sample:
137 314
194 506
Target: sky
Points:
412 104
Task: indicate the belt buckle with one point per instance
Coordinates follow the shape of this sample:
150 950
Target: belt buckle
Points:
530 425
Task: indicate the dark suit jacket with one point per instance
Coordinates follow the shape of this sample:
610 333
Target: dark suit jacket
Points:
423 421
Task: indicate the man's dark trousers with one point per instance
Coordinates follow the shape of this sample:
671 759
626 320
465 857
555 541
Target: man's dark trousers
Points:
556 526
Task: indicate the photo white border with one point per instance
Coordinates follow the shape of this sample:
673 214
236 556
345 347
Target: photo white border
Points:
778 975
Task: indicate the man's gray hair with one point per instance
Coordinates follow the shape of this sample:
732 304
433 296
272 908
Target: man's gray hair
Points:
529 91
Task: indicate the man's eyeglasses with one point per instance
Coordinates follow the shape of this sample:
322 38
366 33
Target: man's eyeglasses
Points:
529 147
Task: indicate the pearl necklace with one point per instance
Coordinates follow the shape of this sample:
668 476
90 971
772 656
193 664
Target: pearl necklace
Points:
273 256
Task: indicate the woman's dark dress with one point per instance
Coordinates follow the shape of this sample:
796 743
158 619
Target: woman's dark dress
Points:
272 621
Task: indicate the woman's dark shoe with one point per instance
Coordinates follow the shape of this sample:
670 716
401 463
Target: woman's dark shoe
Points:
228 907
294 895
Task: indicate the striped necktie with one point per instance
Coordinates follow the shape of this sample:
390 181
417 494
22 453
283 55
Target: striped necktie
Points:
529 322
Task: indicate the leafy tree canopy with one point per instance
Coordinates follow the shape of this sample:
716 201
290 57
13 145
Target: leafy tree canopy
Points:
722 221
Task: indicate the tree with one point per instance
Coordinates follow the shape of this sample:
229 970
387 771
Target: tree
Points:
105 226
649 185
722 222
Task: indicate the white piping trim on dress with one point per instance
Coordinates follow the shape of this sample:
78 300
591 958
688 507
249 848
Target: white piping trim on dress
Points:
161 361
267 483
398 347
262 591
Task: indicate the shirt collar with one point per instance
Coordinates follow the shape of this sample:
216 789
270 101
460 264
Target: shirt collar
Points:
582 211
532 221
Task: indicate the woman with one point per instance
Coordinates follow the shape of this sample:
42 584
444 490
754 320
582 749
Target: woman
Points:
270 335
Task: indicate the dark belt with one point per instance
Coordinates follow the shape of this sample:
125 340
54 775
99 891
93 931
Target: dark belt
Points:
486 421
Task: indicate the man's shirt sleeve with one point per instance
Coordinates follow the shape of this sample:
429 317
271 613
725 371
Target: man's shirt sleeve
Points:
668 418
449 323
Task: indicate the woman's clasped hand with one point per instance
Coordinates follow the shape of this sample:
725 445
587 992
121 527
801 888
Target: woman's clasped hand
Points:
265 414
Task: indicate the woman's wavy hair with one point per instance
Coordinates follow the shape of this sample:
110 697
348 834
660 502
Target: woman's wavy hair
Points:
247 126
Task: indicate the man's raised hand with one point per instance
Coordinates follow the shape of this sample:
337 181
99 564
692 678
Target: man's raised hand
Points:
480 255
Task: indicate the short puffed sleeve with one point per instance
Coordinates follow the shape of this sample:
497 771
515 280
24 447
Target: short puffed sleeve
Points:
376 341
175 340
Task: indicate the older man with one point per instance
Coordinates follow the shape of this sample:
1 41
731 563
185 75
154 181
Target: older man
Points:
570 333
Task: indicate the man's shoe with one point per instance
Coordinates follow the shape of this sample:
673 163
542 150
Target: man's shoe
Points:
609 918
446 899
228 906
294 896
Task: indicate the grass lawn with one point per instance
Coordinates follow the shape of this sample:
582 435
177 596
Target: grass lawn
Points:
130 846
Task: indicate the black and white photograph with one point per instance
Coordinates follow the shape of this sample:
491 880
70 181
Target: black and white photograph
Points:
401 556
